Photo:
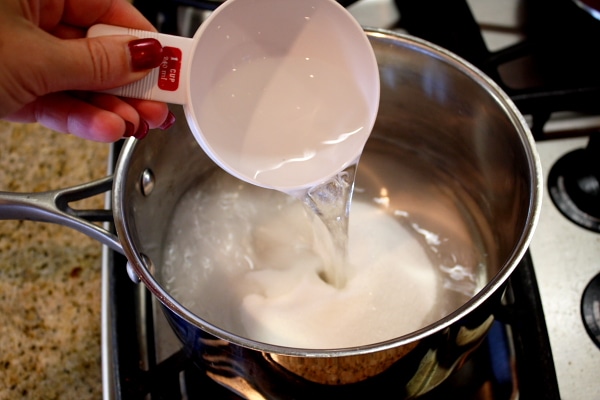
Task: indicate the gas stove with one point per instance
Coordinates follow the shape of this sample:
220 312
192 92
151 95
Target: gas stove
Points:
542 347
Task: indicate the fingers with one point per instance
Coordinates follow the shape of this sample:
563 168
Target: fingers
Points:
113 12
114 105
63 61
69 114
156 114
139 115
35 63
98 117
95 64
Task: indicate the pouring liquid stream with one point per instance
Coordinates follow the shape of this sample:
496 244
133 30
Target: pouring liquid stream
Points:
330 202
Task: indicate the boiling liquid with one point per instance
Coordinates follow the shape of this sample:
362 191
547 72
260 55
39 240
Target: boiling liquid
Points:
285 121
251 261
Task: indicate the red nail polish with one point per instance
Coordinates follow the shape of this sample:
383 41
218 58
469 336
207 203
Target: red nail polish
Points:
142 130
169 121
145 54
128 129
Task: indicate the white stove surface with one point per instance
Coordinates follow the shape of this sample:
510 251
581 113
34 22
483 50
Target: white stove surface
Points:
565 258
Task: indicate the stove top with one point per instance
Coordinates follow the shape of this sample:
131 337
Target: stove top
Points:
566 257
540 348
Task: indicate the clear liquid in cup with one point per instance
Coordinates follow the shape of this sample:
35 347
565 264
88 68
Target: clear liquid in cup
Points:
285 122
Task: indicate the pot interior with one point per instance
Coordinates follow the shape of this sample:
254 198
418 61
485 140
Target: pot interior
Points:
449 158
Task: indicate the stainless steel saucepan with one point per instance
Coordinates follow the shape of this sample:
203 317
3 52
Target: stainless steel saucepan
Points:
448 117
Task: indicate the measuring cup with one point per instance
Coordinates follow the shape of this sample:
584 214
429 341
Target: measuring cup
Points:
282 94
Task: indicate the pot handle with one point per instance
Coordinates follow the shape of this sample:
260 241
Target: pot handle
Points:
53 206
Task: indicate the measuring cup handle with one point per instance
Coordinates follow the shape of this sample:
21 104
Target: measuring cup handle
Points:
168 81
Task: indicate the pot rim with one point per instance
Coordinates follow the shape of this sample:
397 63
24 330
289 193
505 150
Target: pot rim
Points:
144 271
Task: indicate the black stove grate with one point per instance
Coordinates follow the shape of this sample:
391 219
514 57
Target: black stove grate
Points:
559 48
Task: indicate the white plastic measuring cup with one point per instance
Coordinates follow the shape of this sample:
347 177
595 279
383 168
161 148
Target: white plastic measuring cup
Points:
280 93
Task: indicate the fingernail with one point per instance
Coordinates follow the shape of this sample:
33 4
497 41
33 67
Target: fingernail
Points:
129 129
169 121
145 54
142 130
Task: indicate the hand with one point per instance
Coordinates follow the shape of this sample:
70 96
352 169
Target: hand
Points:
50 72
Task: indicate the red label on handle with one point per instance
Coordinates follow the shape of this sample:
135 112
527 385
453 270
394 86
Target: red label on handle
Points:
169 69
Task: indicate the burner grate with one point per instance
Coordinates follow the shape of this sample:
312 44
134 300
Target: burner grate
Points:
560 70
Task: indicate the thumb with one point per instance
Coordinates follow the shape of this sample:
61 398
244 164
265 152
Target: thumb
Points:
100 63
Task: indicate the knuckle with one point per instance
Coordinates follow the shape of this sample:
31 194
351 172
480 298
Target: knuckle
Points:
102 63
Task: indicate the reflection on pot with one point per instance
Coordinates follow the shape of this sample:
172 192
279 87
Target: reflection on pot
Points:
432 372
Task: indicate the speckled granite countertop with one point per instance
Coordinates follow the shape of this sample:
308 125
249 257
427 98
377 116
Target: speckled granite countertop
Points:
50 284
